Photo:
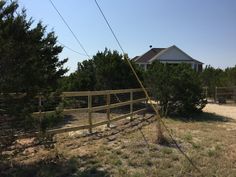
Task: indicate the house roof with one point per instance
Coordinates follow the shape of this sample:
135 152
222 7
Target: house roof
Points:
134 59
148 55
155 53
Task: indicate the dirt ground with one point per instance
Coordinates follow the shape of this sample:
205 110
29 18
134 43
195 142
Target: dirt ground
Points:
130 149
222 110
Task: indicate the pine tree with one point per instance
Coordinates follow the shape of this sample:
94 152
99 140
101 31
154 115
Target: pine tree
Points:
29 61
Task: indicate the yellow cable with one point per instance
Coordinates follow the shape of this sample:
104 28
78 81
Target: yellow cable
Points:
145 91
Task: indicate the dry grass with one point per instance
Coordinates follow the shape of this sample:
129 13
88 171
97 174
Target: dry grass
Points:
209 140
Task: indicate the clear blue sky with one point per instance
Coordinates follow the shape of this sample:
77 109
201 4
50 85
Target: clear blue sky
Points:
205 29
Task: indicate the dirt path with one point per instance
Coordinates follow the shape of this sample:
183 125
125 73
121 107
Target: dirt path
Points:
222 110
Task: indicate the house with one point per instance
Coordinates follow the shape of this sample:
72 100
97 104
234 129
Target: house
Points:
171 55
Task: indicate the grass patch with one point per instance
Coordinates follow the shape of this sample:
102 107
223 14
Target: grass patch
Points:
166 150
212 152
188 137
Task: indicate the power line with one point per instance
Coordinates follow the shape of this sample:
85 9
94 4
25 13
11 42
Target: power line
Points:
71 49
145 91
113 33
72 34
76 38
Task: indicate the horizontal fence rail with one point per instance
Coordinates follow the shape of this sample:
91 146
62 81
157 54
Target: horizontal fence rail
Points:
221 94
88 98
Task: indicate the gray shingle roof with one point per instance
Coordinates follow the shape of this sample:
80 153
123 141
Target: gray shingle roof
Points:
154 53
148 55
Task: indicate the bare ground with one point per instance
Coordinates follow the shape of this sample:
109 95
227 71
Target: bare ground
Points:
130 149
222 110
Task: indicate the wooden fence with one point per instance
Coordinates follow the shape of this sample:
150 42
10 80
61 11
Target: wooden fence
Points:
225 94
220 94
90 109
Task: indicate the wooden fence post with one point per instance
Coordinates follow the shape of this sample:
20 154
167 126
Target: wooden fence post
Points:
146 106
108 108
235 94
131 105
63 101
90 112
40 104
215 94
40 111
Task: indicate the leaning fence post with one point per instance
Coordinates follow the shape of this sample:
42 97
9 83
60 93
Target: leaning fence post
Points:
131 105
108 108
90 112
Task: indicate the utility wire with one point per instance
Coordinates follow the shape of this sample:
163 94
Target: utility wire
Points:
146 93
76 38
71 49
108 24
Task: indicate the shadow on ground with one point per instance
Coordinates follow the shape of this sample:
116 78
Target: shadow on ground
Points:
109 134
204 117
85 166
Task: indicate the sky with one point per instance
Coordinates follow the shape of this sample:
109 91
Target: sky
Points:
204 29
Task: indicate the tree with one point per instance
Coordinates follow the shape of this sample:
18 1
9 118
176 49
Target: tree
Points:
230 73
105 71
178 88
29 60
83 79
212 78
113 72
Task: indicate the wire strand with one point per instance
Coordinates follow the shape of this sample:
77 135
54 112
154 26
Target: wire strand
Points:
71 49
76 38
145 91
113 33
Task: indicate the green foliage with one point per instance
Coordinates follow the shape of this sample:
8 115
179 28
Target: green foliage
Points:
41 122
51 119
106 70
166 150
113 72
178 88
188 137
29 60
212 78
230 76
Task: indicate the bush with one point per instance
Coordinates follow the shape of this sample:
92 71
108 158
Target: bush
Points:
177 87
105 71
50 120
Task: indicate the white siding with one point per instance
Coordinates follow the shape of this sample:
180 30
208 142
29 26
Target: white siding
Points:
174 54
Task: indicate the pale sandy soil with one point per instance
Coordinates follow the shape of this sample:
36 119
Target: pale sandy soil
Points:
222 110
